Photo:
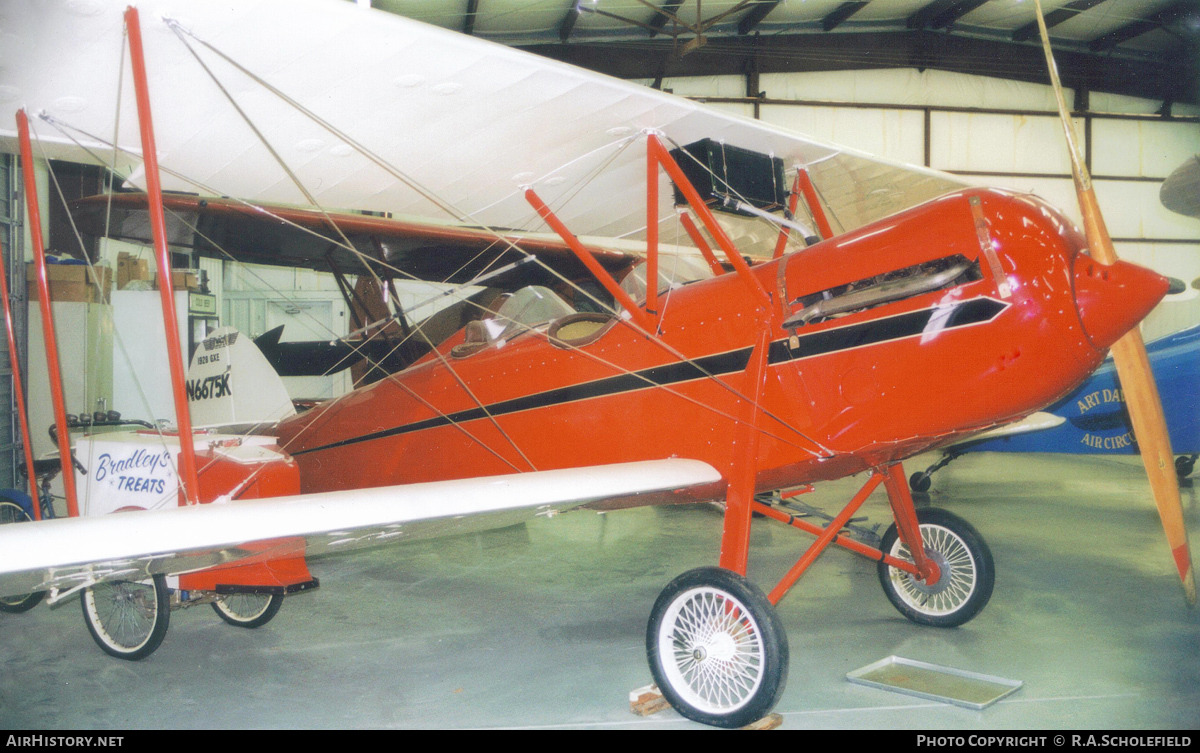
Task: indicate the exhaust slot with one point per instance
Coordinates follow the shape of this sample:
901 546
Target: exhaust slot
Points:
893 286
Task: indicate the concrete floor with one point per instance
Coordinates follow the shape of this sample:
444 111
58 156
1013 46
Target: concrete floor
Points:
543 625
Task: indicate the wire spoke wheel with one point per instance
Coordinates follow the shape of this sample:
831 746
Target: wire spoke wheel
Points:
717 648
716 651
967 573
128 619
11 512
247 610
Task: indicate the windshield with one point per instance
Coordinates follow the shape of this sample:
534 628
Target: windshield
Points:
673 271
527 308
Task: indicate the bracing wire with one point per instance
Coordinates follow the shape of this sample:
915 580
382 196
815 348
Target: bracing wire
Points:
824 451
454 213
653 338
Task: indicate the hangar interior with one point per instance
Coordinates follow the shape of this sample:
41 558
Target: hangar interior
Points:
543 624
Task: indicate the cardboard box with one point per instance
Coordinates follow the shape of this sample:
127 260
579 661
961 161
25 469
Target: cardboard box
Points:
183 279
130 268
70 282
124 263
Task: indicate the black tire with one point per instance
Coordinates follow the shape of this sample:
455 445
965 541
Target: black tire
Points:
128 620
247 610
968 572
11 512
734 618
920 482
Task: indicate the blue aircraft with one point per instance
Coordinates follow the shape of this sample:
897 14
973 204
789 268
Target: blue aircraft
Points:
1093 420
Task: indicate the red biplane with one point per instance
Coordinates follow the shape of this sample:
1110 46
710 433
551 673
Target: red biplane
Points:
572 371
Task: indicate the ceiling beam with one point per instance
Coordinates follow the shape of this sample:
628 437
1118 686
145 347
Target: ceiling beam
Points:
1054 18
756 16
661 17
1159 20
793 53
947 17
567 25
841 13
469 18
926 13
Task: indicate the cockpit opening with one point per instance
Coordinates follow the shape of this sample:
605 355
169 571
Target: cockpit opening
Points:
514 313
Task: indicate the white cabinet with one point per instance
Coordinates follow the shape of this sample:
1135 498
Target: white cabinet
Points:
85 349
141 378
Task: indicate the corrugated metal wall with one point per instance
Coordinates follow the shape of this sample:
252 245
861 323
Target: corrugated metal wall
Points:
13 259
1002 133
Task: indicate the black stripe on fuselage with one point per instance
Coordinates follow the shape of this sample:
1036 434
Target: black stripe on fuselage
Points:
974 311
657 376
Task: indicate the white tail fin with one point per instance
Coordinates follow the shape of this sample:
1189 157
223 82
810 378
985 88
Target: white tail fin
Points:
230 382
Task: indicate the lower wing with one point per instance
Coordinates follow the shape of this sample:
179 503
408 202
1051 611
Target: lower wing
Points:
64 555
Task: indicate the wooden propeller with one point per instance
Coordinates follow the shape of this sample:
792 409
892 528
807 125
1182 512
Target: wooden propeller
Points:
1129 354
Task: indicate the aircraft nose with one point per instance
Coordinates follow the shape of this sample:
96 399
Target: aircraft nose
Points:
1113 299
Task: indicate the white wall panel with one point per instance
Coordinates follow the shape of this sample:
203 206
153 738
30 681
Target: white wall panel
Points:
1058 192
1120 103
1142 147
998 143
704 86
1133 210
1104 102
895 134
990 143
709 86
244 277
907 86
216 277
737 108
424 299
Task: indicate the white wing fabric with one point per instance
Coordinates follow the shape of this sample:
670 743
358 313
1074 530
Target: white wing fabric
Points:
467 119
67 553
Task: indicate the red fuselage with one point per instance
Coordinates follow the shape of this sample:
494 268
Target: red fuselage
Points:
842 393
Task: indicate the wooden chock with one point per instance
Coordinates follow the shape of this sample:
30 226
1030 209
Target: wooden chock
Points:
770 721
647 700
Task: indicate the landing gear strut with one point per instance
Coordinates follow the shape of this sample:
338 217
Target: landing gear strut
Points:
965 562
717 649
920 481
1184 465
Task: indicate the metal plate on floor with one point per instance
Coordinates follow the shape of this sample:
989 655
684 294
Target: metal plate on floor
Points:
970 690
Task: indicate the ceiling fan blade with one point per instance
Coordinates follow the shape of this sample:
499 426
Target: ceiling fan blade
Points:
1129 355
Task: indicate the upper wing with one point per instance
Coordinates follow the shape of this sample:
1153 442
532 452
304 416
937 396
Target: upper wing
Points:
64 554
293 237
442 114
